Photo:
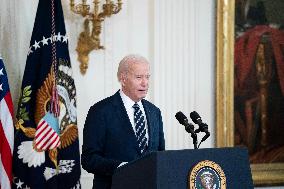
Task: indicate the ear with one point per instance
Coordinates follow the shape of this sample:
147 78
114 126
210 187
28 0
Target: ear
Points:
123 79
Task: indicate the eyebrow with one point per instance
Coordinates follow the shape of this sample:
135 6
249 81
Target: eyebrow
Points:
142 74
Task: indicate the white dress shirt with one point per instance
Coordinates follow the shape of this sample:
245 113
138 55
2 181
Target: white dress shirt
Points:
128 103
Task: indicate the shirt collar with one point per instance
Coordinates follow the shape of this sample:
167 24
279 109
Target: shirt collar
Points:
127 101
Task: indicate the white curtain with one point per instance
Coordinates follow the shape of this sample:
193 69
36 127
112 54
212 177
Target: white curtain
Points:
16 22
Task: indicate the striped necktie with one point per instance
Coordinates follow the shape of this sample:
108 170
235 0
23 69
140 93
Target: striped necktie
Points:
140 128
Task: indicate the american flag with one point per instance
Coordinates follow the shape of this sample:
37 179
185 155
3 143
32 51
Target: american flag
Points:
6 130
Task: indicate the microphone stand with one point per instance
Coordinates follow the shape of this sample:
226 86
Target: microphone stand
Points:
193 136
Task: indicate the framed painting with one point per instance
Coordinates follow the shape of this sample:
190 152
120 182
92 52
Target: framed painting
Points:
250 83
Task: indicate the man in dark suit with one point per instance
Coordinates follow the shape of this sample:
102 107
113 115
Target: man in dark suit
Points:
122 127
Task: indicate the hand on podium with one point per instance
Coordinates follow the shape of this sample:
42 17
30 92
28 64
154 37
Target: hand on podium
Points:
123 163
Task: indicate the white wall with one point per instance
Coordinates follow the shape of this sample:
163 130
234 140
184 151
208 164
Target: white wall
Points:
183 65
177 36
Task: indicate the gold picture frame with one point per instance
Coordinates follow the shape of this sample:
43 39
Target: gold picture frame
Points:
263 174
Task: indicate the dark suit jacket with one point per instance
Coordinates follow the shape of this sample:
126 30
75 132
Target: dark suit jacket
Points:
109 139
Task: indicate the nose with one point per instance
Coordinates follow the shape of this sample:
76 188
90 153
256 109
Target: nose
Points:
145 81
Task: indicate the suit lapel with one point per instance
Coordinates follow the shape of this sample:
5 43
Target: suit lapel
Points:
149 117
122 113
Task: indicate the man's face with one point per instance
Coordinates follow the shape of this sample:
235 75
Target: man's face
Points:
136 83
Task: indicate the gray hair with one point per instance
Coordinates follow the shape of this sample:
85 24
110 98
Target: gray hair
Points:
123 67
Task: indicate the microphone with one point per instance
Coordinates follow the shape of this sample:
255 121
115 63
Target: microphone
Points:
182 119
203 127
